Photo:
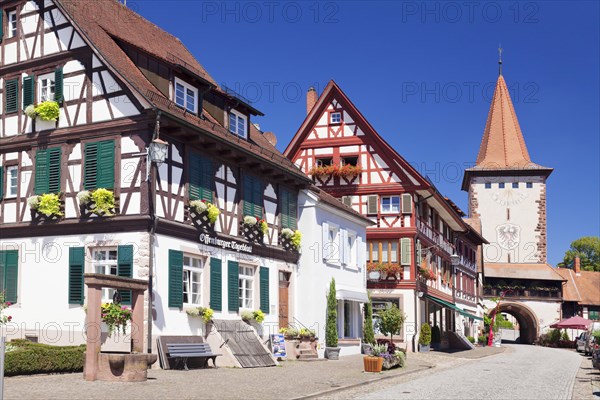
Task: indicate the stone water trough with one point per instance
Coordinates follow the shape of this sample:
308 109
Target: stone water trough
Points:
121 367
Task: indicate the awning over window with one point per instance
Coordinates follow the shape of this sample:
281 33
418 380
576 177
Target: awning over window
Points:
351 294
453 307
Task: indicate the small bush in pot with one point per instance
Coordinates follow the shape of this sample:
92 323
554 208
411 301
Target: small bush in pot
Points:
331 334
424 337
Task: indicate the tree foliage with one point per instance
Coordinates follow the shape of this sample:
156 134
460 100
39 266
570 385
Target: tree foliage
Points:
587 249
331 333
368 333
390 321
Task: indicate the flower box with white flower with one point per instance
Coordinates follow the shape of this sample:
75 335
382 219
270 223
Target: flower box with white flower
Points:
47 207
45 114
203 214
290 240
253 228
101 202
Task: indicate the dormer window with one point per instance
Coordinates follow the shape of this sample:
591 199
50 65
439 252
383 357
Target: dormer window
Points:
186 96
336 117
12 23
238 124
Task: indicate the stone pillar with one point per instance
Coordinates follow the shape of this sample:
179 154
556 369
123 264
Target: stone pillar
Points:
93 333
137 321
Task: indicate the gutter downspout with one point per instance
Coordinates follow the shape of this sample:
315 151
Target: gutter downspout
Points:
151 233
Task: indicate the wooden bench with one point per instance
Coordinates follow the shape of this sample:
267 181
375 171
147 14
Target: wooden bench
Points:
196 350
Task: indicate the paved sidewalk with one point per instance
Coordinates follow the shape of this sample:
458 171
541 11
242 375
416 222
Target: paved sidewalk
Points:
587 381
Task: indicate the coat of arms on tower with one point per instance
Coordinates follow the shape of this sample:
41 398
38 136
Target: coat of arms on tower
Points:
508 236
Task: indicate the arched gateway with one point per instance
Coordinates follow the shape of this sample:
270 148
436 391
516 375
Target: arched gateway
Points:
526 317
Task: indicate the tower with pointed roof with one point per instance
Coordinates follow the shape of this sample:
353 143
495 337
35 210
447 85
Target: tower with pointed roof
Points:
507 190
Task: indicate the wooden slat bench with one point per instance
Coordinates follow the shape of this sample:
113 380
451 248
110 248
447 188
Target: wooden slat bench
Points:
195 350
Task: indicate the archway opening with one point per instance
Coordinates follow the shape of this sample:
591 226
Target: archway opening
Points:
527 322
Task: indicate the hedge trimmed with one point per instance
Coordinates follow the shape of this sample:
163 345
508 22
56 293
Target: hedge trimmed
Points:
35 358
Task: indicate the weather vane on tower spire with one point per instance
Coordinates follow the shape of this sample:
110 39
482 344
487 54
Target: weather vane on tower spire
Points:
500 59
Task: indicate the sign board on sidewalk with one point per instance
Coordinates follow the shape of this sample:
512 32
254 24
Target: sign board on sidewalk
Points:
278 345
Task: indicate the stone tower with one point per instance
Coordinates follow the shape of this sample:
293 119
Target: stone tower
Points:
507 191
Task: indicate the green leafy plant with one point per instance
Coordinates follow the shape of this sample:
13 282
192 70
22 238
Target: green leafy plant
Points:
212 211
425 334
471 339
368 332
289 332
256 315
295 237
331 333
115 316
26 358
49 205
565 336
104 202
482 339
379 350
263 226
391 320
48 110
205 313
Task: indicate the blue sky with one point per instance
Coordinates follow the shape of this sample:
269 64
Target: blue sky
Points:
423 74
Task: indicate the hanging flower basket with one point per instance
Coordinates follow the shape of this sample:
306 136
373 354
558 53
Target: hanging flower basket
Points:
203 207
47 204
291 238
427 274
257 223
115 316
100 201
205 313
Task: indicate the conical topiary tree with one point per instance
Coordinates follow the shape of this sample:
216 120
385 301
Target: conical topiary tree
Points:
368 333
425 335
331 333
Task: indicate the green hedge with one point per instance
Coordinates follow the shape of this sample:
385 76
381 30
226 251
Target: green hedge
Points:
25 358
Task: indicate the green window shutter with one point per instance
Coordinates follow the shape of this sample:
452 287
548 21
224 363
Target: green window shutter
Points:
264 289
285 219
293 211
201 178
1 27
28 91
41 172
76 269
248 205
125 269
12 96
9 272
175 278
58 86
1 183
257 198
216 289
90 168
405 253
233 285
106 165
54 169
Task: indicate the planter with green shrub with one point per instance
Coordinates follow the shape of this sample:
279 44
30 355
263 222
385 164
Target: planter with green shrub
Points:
424 337
332 351
368 331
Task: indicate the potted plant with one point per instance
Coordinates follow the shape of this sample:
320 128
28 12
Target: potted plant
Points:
248 316
390 321
100 201
374 361
203 207
115 316
424 338
436 337
255 222
205 313
332 351
47 204
368 332
293 237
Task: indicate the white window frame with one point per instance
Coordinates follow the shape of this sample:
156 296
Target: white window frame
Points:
12 189
391 210
235 129
193 265
186 86
246 281
107 267
11 17
331 117
45 84
352 249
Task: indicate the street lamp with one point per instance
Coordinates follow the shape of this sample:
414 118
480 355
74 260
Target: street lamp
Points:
157 154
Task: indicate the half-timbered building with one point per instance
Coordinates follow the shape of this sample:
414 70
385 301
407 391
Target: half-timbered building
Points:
415 229
205 225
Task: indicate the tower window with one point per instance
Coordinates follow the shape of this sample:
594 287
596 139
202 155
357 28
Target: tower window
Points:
488 185
529 185
515 185
501 185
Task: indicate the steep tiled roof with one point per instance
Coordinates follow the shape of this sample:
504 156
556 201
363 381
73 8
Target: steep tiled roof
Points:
503 145
583 287
117 21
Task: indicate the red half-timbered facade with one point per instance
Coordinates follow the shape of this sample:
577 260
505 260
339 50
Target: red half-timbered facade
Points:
416 230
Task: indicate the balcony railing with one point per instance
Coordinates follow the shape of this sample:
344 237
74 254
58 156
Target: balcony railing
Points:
434 236
552 293
468 264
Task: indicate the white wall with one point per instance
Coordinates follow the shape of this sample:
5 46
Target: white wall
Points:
523 208
314 275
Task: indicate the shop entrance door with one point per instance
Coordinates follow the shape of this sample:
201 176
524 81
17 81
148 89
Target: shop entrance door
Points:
284 284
